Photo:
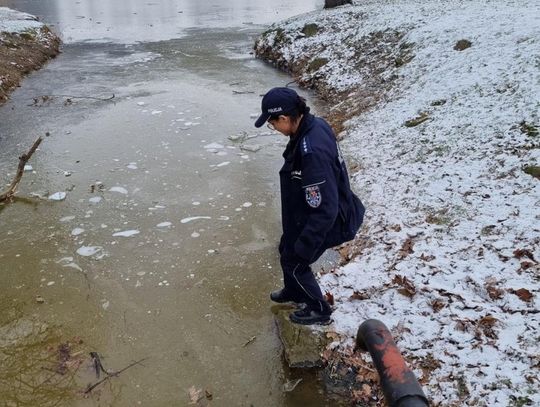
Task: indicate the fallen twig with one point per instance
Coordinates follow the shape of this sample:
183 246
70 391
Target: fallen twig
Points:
249 341
111 375
98 366
242 92
23 159
48 98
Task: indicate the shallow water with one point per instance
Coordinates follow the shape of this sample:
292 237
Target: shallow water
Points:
165 246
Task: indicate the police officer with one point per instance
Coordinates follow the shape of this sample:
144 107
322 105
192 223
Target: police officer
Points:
318 208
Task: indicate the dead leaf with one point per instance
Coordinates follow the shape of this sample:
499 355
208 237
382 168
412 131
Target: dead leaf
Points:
396 228
209 396
194 395
329 298
334 336
486 326
494 292
523 294
291 385
408 289
525 265
437 304
427 257
363 395
519 253
358 295
406 248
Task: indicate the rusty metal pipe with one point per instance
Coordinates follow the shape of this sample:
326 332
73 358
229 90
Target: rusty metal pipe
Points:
400 387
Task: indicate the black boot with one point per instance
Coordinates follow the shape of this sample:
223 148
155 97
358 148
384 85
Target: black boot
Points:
308 316
281 296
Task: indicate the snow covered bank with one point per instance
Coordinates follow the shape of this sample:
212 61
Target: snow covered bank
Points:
25 45
443 102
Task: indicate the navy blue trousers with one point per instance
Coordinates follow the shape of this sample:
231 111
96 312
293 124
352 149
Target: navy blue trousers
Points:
301 285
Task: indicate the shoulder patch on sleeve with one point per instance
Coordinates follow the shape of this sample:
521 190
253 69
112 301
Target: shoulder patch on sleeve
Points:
305 146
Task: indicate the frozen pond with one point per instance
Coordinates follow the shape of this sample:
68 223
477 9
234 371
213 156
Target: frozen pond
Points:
163 245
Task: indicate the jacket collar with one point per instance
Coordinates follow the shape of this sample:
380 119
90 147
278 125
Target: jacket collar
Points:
307 122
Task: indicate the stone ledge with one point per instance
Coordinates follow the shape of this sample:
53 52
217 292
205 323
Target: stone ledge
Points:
303 345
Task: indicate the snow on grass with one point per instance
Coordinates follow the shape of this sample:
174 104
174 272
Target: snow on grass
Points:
451 242
12 21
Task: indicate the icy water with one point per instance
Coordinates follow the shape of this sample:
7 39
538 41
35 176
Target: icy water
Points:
165 245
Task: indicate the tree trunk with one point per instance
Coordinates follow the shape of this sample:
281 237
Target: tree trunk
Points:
335 3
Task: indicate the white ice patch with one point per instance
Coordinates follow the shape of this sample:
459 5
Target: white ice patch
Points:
126 233
66 219
252 148
223 164
156 112
247 204
164 224
119 190
77 231
28 167
215 146
95 199
187 220
195 234
57 196
88 251
132 166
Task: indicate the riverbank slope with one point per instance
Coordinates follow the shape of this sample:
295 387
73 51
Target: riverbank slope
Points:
25 45
437 106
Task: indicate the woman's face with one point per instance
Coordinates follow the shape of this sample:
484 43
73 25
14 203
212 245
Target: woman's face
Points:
283 124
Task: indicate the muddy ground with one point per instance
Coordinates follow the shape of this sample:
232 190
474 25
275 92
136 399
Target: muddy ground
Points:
22 53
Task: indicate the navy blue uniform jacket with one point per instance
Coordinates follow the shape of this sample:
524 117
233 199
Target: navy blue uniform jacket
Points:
318 208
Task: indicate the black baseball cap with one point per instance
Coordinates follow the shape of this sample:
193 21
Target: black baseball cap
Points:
277 101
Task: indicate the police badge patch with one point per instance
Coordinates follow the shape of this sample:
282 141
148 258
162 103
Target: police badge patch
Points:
313 196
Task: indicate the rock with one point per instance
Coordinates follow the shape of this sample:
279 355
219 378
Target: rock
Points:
532 170
336 3
317 64
40 299
251 147
302 344
310 30
529 129
417 120
462 45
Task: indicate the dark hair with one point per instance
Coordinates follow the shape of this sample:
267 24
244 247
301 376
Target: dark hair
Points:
300 109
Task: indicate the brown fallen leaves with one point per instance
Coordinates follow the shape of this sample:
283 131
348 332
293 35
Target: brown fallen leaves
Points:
407 248
519 253
329 297
493 291
359 377
359 295
523 294
407 288
486 326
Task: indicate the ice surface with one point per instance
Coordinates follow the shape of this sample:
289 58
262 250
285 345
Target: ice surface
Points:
126 233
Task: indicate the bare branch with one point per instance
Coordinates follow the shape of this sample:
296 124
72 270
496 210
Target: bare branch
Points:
23 159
